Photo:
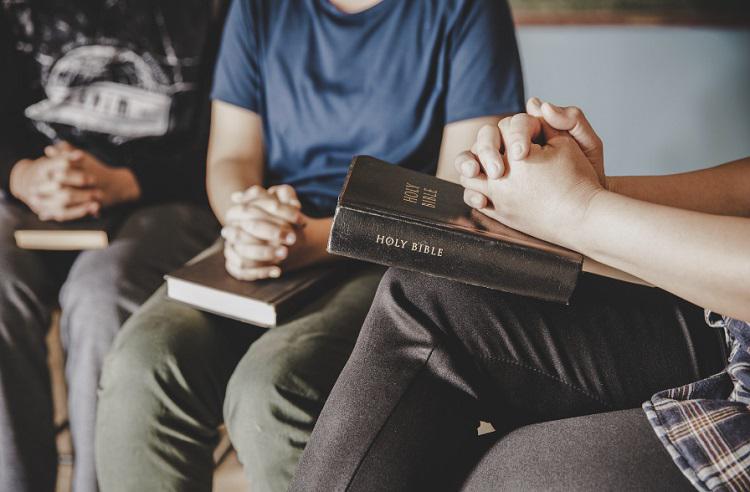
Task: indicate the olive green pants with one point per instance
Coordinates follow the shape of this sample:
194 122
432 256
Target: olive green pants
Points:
175 373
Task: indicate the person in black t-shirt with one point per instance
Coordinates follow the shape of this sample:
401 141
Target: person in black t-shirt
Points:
103 104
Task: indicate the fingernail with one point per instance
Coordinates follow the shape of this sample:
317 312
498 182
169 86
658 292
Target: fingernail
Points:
554 108
467 168
476 200
517 151
274 273
281 253
535 101
290 238
236 196
493 169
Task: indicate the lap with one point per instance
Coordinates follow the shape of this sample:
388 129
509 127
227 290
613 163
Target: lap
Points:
151 241
314 344
610 451
41 271
163 333
201 351
611 348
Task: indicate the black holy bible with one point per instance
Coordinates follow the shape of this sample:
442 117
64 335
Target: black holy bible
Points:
206 285
397 217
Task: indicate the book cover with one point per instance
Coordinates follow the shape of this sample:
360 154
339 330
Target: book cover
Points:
398 217
206 285
77 235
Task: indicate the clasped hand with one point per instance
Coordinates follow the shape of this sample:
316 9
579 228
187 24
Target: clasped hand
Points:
69 183
536 172
260 229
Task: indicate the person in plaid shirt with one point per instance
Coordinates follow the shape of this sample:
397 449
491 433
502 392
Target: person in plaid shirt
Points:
705 425
560 384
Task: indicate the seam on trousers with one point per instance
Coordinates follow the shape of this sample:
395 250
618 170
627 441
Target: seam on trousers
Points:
686 335
377 434
548 375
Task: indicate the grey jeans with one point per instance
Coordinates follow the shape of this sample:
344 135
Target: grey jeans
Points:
175 373
98 290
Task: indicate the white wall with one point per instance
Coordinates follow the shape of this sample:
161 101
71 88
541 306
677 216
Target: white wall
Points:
663 99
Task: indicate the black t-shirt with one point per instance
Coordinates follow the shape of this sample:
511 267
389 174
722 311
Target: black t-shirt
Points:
126 80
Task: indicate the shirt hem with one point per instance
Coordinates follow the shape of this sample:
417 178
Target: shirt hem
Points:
235 102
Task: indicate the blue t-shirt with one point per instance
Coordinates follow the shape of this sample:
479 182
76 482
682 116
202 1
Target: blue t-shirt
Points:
384 82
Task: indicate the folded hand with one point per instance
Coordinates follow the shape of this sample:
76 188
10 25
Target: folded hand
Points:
535 172
260 229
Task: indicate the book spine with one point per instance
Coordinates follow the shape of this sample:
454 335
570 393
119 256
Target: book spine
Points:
452 254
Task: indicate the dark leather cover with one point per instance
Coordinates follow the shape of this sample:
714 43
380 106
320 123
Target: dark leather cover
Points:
397 217
287 294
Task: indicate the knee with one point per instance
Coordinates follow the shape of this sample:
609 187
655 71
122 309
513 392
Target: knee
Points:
22 277
146 358
402 299
25 293
95 281
132 366
403 288
275 391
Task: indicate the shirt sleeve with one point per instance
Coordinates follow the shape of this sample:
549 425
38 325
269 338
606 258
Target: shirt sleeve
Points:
237 79
485 70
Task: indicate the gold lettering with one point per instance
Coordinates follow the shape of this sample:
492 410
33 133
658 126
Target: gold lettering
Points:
411 193
429 197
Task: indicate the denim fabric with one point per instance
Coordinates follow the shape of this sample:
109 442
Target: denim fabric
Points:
100 289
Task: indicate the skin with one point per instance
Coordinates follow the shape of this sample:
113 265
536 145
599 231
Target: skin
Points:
686 233
68 183
354 6
265 231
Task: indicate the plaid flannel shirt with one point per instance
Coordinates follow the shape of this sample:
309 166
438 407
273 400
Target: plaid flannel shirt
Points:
705 425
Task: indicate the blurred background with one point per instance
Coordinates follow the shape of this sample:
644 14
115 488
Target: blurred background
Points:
665 82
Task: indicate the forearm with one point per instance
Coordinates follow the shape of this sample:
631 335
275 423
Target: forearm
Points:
227 176
722 190
700 257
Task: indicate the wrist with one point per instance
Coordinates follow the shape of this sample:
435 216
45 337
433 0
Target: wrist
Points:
313 241
319 230
582 237
128 189
611 183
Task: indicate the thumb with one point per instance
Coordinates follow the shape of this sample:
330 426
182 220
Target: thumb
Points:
572 120
534 108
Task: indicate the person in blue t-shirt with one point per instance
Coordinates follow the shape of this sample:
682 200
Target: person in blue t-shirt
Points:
301 86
